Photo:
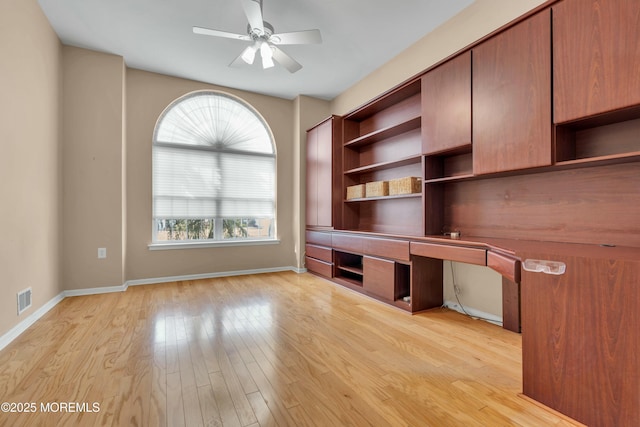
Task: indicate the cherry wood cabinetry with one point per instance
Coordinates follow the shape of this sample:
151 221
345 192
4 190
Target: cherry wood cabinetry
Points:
319 253
446 106
323 185
382 141
596 57
522 155
580 338
512 98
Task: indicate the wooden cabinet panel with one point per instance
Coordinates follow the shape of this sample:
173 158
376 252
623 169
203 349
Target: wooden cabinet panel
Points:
324 181
512 98
446 106
506 266
379 277
324 191
348 243
510 305
318 237
387 248
319 252
596 57
452 253
580 339
319 267
312 178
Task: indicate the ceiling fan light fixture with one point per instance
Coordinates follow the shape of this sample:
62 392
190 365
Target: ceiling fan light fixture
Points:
249 54
267 55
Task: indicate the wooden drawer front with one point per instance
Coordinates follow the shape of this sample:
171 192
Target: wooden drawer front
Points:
387 248
379 277
319 267
319 252
451 253
508 267
318 238
347 243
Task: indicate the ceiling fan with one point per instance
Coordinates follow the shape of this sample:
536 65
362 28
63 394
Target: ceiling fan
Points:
262 37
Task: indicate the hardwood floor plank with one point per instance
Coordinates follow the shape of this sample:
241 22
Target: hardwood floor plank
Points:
209 407
261 410
228 413
175 407
276 349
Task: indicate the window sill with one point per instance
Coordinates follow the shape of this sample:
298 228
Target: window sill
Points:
217 244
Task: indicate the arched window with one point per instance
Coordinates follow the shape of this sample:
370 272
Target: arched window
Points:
214 167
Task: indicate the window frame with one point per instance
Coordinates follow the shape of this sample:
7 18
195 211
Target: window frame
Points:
207 243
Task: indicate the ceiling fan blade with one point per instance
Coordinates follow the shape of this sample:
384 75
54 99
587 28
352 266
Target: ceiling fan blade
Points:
285 60
238 61
297 37
217 33
253 10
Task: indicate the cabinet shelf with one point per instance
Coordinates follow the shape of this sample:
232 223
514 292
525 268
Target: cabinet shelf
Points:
386 100
398 196
385 165
602 160
351 269
452 178
385 133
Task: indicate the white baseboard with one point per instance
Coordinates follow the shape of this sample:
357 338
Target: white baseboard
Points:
95 291
212 275
14 332
453 305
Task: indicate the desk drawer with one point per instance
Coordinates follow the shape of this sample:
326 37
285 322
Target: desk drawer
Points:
449 252
353 244
319 252
318 238
387 248
506 266
319 267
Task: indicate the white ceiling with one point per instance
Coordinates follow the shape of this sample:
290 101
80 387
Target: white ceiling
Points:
156 35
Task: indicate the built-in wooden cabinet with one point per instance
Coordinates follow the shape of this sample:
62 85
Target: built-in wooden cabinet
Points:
596 84
323 185
527 137
596 57
382 142
580 337
512 98
446 107
319 253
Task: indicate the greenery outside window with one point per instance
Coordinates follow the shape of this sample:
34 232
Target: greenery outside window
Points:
214 166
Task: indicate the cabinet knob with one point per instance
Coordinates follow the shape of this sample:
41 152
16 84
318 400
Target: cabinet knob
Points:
543 266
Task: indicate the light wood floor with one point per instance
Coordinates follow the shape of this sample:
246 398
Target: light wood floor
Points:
280 349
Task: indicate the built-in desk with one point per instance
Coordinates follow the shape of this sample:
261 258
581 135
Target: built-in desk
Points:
579 323
406 271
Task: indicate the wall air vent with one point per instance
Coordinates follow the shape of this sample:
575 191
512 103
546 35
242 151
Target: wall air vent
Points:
24 300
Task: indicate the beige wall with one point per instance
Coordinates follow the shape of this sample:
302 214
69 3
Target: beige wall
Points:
479 19
30 172
93 176
147 96
471 24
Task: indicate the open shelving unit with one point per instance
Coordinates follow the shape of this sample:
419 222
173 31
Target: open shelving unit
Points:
382 142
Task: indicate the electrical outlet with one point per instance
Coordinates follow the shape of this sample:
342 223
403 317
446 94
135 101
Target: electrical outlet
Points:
102 253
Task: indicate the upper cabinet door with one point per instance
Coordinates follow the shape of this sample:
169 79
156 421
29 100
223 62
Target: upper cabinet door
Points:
596 57
446 106
512 98
312 177
323 173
